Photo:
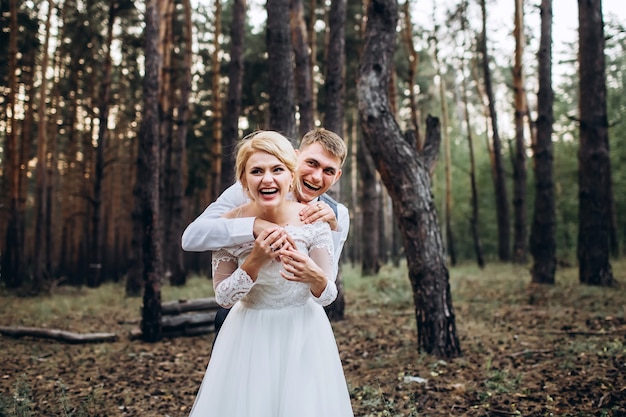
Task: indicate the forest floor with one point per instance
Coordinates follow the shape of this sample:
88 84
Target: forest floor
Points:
526 351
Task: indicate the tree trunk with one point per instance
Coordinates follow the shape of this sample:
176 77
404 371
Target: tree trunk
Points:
230 125
519 162
407 36
334 115
280 68
41 251
543 231
449 237
499 180
478 249
216 148
148 179
594 161
94 278
178 275
370 209
334 80
312 38
13 253
303 70
408 181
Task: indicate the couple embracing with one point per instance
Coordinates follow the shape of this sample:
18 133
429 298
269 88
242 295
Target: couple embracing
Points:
276 240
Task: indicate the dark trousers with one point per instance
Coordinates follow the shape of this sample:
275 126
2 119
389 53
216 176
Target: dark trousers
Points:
219 320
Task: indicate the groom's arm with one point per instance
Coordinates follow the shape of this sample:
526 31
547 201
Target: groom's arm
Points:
211 232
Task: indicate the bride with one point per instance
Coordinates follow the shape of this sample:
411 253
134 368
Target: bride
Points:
275 355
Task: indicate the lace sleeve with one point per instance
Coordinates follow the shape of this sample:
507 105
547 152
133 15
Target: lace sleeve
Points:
321 252
230 282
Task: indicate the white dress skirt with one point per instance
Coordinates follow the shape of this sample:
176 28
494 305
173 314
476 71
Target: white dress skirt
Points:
275 355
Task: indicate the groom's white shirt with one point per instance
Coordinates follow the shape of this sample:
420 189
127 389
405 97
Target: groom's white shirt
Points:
210 231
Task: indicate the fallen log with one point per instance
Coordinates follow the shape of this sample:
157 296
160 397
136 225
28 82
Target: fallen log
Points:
187 320
55 334
184 306
136 334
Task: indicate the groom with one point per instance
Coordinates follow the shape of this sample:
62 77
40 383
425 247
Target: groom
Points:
320 157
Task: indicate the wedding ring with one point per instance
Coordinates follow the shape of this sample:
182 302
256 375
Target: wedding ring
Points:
272 247
319 206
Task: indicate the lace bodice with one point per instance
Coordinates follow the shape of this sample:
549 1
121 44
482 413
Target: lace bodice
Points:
271 290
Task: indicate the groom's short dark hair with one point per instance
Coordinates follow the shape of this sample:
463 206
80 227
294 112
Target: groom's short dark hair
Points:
330 141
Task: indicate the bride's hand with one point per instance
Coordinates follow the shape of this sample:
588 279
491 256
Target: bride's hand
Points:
298 267
269 242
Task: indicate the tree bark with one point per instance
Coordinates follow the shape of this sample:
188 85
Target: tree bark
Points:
407 179
303 70
593 156
280 68
41 251
370 197
312 38
478 249
407 36
499 180
216 147
334 114
334 80
449 236
178 274
230 125
94 278
13 253
519 162
543 230
148 178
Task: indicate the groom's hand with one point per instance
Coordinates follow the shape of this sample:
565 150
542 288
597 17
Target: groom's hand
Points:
319 211
260 225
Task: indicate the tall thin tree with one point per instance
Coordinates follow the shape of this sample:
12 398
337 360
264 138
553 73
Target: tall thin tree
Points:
478 249
178 275
594 163
41 251
543 230
97 247
282 112
216 89
232 110
413 56
12 257
303 70
334 112
370 205
448 234
148 180
520 234
335 68
499 180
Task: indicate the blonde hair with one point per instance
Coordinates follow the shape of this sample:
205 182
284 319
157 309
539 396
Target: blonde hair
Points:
270 142
330 142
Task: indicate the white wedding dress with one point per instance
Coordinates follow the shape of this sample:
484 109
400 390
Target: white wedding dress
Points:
275 355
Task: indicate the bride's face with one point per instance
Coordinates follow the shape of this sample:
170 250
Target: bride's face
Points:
268 180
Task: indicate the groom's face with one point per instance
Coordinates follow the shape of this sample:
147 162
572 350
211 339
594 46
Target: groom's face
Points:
318 170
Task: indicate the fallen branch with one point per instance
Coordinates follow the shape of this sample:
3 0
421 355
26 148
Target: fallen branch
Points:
60 335
183 306
136 334
187 320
